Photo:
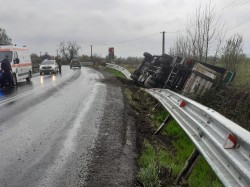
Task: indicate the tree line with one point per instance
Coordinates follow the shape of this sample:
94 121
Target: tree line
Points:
203 40
70 50
4 38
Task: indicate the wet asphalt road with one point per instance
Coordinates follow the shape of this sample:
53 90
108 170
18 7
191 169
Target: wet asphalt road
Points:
48 128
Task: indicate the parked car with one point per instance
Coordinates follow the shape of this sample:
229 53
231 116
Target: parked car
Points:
48 67
75 63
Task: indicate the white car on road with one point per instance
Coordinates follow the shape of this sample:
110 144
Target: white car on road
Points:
48 67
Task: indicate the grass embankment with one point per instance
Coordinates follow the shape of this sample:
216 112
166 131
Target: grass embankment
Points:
130 68
115 73
162 157
154 153
242 77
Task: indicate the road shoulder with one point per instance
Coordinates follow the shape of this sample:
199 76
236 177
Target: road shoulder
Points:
114 161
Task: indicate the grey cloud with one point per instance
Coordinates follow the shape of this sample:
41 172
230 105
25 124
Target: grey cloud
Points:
43 24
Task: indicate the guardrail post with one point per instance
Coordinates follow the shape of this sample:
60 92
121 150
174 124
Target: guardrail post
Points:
188 166
156 106
165 122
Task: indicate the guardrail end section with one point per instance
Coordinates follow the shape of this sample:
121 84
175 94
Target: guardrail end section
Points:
231 142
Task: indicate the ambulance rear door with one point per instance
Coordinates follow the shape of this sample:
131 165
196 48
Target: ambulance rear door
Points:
24 65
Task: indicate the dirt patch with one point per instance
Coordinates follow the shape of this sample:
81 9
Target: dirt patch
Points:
114 162
144 107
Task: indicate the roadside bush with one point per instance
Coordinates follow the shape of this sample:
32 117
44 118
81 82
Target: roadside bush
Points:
231 101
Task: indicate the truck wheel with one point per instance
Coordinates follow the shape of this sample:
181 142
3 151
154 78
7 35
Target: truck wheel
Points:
143 77
148 55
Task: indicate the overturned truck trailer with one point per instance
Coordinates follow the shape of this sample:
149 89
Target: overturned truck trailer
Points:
203 77
179 74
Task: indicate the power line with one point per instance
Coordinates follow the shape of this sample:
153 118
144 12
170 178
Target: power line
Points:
136 39
240 23
233 6
126 41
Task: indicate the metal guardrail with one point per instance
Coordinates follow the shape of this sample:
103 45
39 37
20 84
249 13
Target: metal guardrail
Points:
87 63
119 68
224 144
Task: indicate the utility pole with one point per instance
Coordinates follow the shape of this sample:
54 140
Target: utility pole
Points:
163 42
91 53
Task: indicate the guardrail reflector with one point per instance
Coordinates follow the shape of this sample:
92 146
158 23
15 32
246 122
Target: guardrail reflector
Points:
182 104
231 142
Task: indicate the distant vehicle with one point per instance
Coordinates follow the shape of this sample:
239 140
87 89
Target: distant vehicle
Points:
48 67
75 63
20 61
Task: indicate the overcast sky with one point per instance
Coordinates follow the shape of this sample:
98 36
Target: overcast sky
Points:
130 26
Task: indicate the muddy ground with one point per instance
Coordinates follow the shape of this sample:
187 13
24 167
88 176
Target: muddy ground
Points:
115 163
143 106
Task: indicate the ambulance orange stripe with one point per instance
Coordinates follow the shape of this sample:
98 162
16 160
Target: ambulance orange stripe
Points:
4 49
20 65
11 49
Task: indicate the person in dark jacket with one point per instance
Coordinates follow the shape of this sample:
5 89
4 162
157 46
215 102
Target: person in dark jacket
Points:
59 65
6 69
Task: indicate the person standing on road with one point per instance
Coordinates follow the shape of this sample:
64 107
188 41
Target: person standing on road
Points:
59 65
6 69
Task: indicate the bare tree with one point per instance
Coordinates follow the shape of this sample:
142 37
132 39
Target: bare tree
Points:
233 52
4 38
218 50
205 34
181 47
205 30
69 50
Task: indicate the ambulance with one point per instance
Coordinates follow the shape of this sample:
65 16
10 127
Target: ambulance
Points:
20 61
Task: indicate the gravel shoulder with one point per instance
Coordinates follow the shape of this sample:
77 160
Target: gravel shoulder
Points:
114 157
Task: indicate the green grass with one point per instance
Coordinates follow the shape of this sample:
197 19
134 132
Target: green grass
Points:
148 174
131 68
242 77
202 174
115 73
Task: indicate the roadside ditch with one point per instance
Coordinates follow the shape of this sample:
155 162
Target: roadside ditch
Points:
161 157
